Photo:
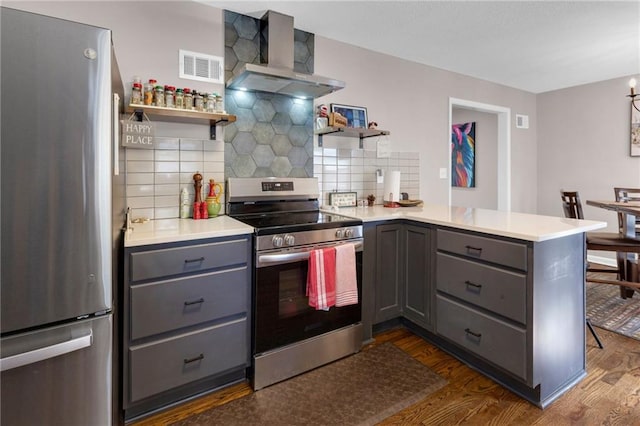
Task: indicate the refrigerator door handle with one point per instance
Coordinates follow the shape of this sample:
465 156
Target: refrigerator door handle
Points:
47 352
116 134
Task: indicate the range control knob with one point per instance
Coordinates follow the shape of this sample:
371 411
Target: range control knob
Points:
277 240
348 233
340 233
289 239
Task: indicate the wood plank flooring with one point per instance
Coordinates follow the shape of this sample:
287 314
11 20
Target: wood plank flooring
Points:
609 395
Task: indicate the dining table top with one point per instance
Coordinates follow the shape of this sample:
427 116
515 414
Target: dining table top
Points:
628 207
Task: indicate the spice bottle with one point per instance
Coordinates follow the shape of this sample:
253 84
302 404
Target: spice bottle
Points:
158 96
136 94
148 92
198 102
219 104
168 96
179 99
188 98
211 103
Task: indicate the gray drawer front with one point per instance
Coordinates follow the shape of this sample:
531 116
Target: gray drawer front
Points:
495 289
161 366
168 305
498 342
487 249
178 260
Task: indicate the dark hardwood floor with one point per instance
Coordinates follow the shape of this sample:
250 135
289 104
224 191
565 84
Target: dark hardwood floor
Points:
609 395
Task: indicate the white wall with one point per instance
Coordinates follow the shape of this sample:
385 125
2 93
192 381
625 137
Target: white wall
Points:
409 99
412 102
583 145
485 193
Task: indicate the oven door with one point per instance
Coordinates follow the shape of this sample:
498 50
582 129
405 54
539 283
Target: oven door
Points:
282 312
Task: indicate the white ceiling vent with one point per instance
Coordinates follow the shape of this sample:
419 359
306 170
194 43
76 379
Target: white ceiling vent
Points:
201 67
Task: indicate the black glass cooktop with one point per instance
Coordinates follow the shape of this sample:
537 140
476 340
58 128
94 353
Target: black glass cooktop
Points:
296 221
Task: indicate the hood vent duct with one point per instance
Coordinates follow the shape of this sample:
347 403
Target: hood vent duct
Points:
278 75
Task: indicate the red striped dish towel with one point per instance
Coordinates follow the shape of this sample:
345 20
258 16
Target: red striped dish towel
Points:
346 278
321 278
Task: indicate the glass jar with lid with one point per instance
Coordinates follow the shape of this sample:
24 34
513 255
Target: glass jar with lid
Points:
211 102
136 94
188 98
179 99
198 104
148 92
219 104
158 96
168 96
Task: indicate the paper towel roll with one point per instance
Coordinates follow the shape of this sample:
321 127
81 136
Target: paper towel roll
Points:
392 187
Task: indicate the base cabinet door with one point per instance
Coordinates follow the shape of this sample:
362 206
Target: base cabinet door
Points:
417 267
388 266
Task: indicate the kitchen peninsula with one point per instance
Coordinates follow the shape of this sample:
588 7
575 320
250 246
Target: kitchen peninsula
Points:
503 292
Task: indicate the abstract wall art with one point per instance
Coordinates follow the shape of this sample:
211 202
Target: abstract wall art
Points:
463 155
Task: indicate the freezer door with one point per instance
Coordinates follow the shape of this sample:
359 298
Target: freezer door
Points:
58 376
55 158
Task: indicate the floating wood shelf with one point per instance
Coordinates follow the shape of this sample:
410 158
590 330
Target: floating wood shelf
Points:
182 116
349 132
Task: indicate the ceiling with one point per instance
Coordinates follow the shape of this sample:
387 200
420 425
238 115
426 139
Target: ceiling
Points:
536 46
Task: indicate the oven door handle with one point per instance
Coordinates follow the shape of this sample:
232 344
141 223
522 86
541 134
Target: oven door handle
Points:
271 259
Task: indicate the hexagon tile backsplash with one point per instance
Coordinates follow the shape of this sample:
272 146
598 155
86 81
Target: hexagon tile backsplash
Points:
272 136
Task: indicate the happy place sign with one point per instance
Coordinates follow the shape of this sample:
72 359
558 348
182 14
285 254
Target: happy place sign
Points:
137 134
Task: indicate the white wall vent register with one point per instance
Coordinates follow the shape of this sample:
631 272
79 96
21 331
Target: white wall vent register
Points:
201 67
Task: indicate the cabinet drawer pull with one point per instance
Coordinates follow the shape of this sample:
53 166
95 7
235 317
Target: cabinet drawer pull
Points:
474 251
476 335
200 259
194 359
194 302
472 284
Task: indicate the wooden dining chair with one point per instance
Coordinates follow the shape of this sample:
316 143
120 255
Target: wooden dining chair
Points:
628 270
600 241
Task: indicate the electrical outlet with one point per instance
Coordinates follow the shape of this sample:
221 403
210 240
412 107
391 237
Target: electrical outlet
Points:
443 173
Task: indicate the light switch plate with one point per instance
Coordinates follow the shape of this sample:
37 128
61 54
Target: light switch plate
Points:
343 199
443 173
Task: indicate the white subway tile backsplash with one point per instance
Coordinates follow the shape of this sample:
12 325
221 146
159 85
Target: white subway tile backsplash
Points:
191 145
217 145
167 212
191 166
140 154
140 202
165 178
191 156
146 213
167 155
139 190
139 166
167 189
211 156
167 166
167 200
140 178
166 143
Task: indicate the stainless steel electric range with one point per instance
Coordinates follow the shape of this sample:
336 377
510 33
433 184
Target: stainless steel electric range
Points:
290 337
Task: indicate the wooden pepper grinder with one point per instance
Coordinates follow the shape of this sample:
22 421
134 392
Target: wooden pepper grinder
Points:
197 184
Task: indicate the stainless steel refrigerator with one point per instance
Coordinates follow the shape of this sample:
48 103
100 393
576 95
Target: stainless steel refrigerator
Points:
62 208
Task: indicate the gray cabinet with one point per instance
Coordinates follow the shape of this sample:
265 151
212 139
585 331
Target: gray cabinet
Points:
389 273
186 325
417 298
513 309
397 274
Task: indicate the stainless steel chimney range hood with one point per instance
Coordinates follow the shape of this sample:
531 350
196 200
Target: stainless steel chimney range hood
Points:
278 75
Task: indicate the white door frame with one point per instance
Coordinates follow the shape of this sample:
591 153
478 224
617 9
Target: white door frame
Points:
504 146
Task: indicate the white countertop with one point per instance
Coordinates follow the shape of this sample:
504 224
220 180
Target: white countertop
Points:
173 230
522 226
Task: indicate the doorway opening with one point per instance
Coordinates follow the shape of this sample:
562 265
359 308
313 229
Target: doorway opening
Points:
503 160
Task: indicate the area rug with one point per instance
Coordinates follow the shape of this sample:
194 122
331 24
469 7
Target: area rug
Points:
606 309
362 389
